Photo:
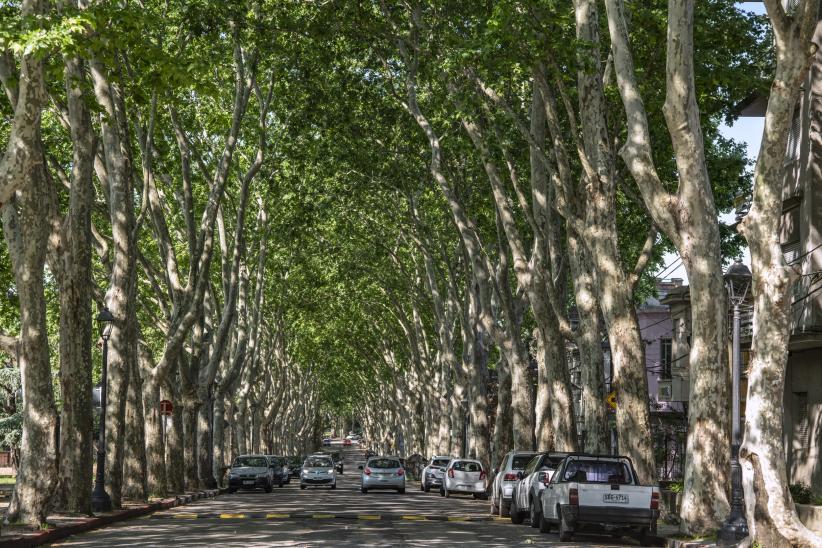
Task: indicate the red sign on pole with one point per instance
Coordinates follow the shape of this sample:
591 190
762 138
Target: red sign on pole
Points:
166 407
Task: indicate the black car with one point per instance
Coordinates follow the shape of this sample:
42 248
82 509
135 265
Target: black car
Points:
295 466
278 470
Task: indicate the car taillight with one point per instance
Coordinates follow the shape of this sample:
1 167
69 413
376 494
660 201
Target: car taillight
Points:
451 473
482 474
367 471
545 477
655 500
400 472
509 477
573 497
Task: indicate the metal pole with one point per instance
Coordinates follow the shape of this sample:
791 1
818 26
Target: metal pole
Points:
736 527
100 501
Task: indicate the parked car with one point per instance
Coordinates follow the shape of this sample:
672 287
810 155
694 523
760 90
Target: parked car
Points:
250 472
526 492
382 473
464 476
504 479
278 469
599 493
433 473
318 470
326 442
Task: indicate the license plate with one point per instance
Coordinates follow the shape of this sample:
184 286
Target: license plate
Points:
248 482
615 498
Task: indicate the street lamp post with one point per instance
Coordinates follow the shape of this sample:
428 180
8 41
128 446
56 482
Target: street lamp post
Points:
735 528
464 405
100 501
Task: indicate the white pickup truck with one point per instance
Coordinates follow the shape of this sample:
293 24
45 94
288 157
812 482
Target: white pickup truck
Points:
599 493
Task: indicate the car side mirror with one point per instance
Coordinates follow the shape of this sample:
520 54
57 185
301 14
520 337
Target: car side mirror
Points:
359 467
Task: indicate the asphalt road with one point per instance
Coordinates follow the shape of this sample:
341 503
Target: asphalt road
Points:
322 517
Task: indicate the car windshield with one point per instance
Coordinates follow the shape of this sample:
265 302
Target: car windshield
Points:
467 466
519 462
295 461
318 462
383 463
597 472
442 463
275 461
255 462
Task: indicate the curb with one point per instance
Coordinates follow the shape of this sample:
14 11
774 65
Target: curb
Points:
675 543
90 524
315 516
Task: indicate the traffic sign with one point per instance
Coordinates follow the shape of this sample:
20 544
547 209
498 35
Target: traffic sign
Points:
611 400
166 407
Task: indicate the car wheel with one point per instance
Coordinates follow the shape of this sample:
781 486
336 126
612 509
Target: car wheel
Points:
544 524
646 537
269 487
231 490
565 532
401 491
363 490
536 514
302 486
442 491
334 485
517 517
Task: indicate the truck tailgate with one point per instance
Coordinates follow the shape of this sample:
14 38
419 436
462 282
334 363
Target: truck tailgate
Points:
617 496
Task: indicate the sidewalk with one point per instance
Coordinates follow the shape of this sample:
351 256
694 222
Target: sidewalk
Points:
65 525
669 533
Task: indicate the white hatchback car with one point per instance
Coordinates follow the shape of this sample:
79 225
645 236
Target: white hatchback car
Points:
465 476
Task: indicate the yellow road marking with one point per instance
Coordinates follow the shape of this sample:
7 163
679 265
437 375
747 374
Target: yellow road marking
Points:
231 516
414 518
322 516
277 516
184 515
368 516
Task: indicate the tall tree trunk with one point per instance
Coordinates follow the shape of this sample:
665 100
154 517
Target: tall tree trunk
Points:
26 232
503 429
772 518
155 444
75 306
175 442
135 480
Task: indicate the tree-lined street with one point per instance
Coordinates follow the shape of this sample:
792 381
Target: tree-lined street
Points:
233 228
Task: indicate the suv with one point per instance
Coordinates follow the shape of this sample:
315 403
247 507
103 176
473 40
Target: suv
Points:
504 479
537 474
250 472
433 473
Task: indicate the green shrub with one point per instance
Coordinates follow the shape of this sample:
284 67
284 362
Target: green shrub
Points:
801 493
677 487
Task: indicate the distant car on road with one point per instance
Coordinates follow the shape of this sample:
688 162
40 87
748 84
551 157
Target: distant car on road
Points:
326 442
526 493
250 472
318 470
336 456
382 473
433 474
504 479
464 476
346 442
599 493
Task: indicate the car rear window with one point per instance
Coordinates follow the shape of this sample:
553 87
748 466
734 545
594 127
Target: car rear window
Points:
597 472
440 462
519 462
256 462
467 466
384 463
552 462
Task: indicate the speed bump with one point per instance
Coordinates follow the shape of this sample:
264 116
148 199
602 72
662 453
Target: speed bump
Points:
369 517
232 516
414 518
277 516
185 515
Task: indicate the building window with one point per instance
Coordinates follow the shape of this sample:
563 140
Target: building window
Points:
794 138
802 421
666 358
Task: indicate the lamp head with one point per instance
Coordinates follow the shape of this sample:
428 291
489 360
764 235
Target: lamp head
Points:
106 318
738 280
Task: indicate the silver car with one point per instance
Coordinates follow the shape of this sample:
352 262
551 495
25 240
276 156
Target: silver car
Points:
433 473
505 477
465 476
526 496
250 472
318 470
383 473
